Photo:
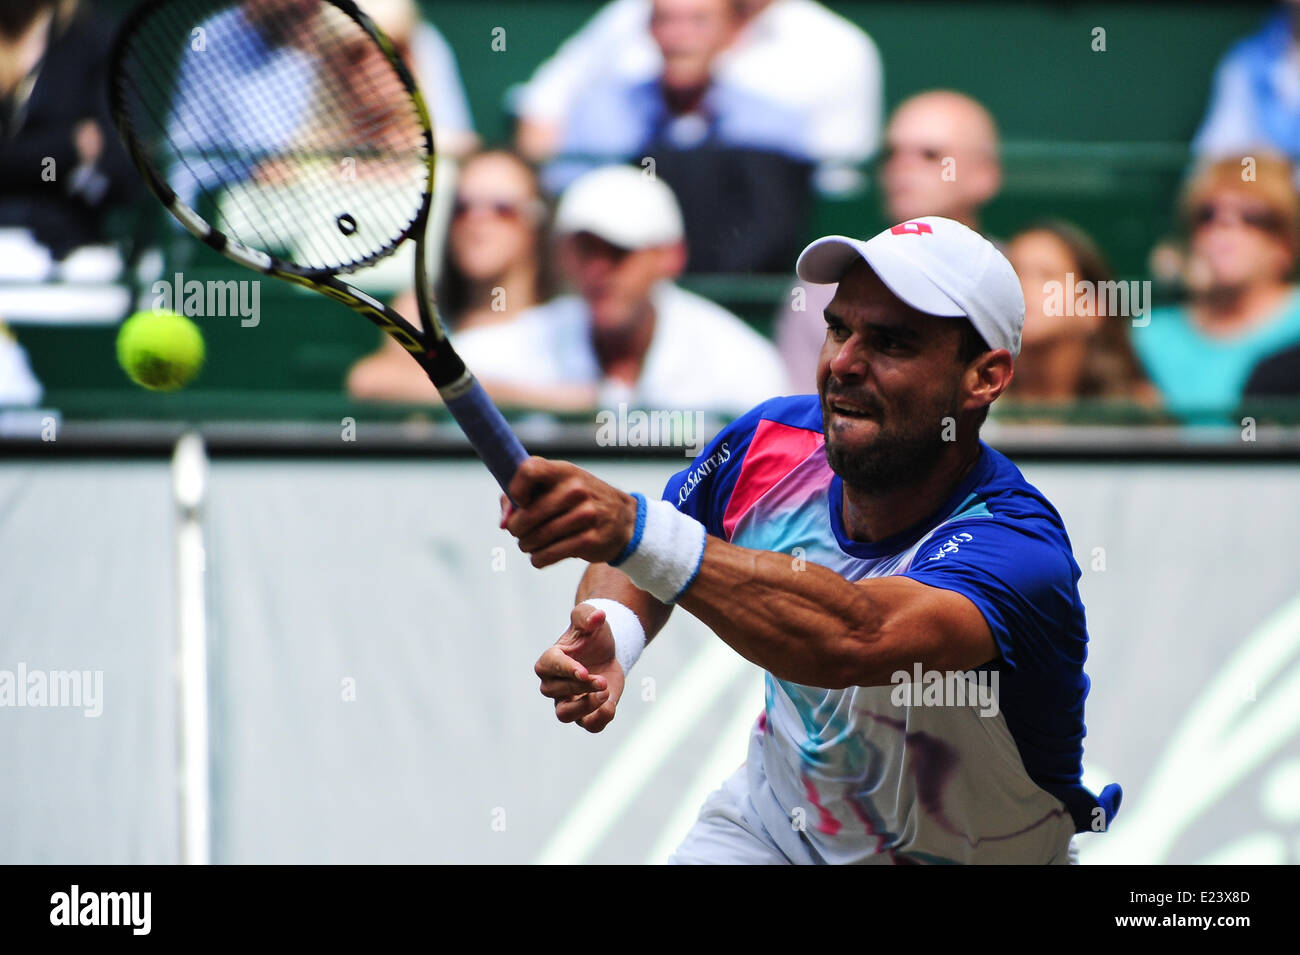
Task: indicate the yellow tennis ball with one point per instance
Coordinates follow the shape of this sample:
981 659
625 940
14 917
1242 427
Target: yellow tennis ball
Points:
160 350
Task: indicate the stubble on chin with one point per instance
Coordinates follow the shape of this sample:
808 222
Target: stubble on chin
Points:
889 462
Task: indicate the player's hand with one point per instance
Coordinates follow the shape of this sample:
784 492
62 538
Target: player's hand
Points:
566 512
580 673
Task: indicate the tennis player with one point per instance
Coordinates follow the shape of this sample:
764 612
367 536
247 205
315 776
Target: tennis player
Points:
863 546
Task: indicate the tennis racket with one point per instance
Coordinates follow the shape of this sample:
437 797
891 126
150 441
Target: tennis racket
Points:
289 136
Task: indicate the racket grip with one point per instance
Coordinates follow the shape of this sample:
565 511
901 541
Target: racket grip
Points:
488 432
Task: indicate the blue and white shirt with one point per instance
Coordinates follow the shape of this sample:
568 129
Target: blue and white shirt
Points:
880 774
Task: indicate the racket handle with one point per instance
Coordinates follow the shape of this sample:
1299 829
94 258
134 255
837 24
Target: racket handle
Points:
488 432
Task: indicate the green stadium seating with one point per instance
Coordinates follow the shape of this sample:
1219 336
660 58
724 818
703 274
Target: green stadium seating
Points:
1095 137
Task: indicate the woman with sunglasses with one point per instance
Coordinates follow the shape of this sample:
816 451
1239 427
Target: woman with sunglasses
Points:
1242 218
495 265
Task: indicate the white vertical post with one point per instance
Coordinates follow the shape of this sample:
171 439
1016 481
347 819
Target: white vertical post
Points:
189 481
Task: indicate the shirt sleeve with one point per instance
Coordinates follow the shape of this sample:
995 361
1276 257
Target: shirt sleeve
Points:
1024 583
703 489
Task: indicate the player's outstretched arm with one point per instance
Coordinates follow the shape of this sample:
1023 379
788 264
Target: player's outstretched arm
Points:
807 624
801 622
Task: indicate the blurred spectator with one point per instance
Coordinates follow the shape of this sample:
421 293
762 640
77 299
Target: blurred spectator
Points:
796 54
1255 99
433 64
61 168
272 66
1081 352
940 159
265 38
495 265
735 159
630 334
18 385
1243 248
497 260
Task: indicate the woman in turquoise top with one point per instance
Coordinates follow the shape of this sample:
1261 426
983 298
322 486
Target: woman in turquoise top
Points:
1244 240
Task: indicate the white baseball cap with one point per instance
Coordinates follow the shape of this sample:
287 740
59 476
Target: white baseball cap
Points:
623 205
937 266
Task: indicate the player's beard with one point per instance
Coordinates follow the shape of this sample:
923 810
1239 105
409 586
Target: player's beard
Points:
900 453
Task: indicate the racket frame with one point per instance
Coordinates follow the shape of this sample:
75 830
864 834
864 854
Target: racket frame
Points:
427 344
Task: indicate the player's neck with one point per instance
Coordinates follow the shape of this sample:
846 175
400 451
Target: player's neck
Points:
870 516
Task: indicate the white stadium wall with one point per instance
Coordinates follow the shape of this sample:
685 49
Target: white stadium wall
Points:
371 640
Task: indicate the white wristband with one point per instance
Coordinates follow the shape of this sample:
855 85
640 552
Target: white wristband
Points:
629 635
665 552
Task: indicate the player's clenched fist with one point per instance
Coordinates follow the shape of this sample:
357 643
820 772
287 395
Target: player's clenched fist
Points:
566 512
580 673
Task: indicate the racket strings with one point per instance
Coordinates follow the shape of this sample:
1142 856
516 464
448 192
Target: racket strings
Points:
209 168
332 151
349 91
200 162
286 118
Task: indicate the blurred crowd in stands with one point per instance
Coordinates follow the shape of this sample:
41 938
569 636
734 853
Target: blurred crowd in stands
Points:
671 138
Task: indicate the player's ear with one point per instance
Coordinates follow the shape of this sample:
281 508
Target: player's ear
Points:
990 374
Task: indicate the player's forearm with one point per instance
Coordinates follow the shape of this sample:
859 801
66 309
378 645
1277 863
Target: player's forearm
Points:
800 621
602 580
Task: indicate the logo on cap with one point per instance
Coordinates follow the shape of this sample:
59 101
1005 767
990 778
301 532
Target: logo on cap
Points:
911 228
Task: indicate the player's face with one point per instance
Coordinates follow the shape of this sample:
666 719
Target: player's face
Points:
494 220
615 282
888 375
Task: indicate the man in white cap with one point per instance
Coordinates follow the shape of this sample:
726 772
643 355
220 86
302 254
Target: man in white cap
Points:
924 652
629 335
940 159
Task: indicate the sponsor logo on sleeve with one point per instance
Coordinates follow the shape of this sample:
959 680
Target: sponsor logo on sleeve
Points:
951 546
697 474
